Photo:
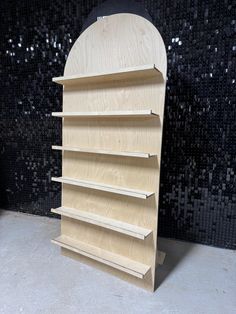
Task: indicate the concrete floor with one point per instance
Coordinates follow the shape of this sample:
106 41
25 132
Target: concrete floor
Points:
35 278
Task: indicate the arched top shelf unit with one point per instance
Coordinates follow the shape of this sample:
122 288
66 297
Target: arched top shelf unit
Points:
113 105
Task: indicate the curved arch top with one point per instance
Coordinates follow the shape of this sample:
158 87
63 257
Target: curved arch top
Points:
115 42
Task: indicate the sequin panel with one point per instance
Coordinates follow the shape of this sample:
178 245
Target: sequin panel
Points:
197 194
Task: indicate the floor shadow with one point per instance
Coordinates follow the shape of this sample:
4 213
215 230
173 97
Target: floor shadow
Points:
176 252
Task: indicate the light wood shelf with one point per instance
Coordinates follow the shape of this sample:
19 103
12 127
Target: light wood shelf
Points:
113 101
130 73
104 187
119 262
107 114
108 223
103 152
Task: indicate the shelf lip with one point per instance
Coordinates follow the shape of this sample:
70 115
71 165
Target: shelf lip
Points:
104 187
103 152
109 114
105 222
114 260
140 71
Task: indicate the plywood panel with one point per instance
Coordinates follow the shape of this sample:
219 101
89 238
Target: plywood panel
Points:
118 42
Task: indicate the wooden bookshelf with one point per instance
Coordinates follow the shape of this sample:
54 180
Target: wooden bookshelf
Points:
112 121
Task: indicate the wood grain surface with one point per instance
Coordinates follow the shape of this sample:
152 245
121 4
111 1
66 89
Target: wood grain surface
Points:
111 45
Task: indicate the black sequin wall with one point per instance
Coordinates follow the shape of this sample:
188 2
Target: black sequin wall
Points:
198 176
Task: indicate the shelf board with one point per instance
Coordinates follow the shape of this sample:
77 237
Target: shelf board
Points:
104 187
103 152
130 73
108 223
109 114
117 261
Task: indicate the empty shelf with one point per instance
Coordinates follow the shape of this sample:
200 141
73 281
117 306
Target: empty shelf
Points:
108 223
109 114
104 187
117 261
141 71
104 152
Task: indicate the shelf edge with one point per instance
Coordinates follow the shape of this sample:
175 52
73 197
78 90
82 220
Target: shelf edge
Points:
108 223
